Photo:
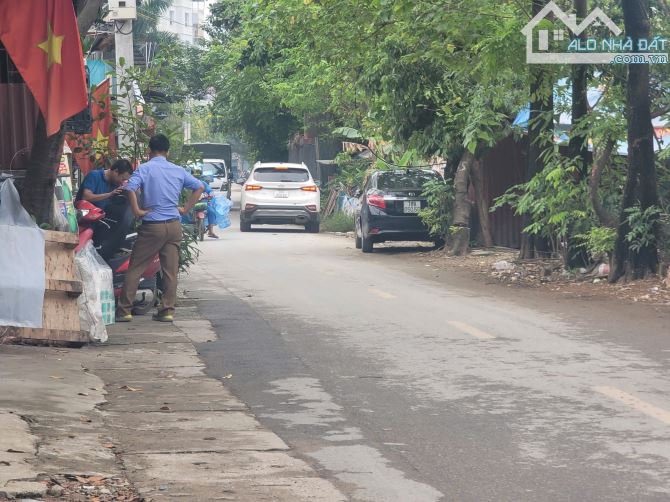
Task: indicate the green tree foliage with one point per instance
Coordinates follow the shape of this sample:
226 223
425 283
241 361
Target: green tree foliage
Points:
438 214
408 72
436 78
557 205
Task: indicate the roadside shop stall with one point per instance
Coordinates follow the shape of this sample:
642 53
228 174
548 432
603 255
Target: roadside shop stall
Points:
39 279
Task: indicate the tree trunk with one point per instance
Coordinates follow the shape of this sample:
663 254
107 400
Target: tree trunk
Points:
477 178
580 106
87 12
38 186
641 177
540 134
601 159
461 220
42 171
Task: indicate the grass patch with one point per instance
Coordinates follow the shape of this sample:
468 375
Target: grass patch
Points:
338 222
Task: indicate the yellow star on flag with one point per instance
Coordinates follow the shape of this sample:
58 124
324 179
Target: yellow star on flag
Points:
52 46
101 144
101 138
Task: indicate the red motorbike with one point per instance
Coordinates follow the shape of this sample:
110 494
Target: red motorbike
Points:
88 217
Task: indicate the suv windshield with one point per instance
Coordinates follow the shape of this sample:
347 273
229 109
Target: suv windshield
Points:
405 180
282 174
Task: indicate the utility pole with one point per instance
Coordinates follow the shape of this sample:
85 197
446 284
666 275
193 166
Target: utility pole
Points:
121 14
188 109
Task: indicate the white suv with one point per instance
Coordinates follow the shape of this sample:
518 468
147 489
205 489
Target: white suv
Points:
279 193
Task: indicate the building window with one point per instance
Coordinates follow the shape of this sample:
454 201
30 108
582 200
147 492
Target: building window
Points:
187 19
559 35
171 17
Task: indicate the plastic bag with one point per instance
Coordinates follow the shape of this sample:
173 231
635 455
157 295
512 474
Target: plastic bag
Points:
22 277
350 205
221 206
96 304
60 221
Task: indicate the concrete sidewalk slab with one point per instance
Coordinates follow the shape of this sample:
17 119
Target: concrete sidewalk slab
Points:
55 396
145 339
166 393
198 440
241 476
146 356
187 420
18 446
138 417
197 330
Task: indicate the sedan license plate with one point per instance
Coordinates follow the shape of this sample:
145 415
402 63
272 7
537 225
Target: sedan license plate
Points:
281 195
411 206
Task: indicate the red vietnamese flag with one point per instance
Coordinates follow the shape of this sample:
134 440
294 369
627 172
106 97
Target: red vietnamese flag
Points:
42 39
101 131
101 111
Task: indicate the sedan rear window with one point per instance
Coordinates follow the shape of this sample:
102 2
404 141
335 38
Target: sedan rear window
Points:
281 174
407 180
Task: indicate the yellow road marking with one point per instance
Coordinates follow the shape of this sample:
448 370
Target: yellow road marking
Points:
471 330
633 402
382 294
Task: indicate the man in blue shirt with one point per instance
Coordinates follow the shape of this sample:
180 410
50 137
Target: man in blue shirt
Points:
103 187
161 183
102 184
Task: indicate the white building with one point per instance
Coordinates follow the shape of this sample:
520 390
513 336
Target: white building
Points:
186 18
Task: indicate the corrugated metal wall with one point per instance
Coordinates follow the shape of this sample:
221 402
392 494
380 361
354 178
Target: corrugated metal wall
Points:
504 167
304 149
18 115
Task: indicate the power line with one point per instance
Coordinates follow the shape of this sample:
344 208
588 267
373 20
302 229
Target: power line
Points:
118 29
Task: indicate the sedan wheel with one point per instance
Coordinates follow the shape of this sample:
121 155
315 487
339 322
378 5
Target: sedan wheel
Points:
357 237
366 244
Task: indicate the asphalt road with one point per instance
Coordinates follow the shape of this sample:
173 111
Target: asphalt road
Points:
403 383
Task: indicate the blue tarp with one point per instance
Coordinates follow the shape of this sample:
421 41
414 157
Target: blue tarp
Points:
563 102
98 71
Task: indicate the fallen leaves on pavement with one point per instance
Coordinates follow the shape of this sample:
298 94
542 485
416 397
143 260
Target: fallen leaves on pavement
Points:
131 389
92 488
91 480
